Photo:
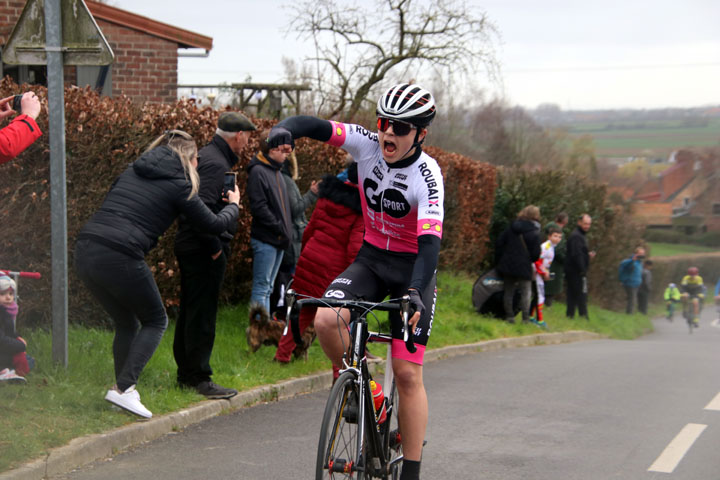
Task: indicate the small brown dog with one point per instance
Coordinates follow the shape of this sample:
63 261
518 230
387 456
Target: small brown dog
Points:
263 330
308 336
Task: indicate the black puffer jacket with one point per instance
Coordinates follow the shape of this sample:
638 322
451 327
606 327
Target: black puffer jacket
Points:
214 160
513 259
269 203
145 200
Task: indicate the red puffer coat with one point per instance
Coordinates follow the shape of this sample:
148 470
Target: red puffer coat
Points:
330 243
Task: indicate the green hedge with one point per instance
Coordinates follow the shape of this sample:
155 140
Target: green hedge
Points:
708 239
613 234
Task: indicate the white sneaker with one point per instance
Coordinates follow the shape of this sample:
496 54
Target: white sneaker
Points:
9 376
129 400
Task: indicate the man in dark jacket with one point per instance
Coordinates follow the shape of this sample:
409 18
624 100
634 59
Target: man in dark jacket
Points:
271 230
518 247
203 258
577 262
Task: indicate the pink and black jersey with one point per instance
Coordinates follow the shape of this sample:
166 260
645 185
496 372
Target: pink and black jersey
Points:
400 203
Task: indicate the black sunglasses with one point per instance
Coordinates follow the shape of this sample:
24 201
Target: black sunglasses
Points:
399 128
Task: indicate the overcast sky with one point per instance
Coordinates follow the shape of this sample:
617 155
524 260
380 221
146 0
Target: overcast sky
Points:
577 54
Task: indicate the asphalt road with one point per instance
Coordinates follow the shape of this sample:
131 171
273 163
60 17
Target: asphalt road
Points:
602 409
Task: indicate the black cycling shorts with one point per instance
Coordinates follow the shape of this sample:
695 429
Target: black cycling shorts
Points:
376 274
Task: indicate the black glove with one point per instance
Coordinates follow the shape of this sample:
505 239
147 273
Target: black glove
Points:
280 136
416 302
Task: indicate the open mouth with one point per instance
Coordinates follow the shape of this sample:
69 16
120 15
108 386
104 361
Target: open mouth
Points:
389 147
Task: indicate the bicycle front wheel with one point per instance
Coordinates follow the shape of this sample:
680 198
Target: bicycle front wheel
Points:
338 452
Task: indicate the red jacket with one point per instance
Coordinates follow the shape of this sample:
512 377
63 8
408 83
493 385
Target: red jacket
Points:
331 239
17 136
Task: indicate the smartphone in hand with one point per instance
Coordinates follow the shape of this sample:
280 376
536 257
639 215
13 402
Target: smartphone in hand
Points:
229 182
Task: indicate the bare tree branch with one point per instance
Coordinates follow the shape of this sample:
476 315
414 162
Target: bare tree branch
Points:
358 47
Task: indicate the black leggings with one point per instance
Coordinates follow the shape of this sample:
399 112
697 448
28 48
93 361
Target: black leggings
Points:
126 289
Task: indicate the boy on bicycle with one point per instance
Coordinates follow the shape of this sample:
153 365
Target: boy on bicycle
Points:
692 289
671 296
402 199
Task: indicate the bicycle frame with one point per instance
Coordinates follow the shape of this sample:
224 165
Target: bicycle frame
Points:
372 452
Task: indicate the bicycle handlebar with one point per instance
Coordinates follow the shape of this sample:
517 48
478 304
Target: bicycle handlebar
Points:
22 274
295 305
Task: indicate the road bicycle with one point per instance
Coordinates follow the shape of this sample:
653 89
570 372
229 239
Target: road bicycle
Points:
354 440
689 312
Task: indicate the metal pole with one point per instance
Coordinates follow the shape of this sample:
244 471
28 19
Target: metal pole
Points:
58 189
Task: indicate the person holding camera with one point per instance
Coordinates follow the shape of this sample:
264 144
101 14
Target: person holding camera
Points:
630 273
203 257
142 204
22 131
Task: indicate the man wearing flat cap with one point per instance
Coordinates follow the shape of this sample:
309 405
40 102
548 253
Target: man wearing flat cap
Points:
203 258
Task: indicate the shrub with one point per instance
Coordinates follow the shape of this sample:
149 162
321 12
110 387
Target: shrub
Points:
613 234
103 135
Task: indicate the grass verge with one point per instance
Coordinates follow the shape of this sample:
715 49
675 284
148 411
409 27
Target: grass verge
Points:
60 404
670 249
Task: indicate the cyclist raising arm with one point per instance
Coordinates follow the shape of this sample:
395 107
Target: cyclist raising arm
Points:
402 200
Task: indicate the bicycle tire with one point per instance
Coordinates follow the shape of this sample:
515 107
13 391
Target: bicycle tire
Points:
392 454
688 314
339 437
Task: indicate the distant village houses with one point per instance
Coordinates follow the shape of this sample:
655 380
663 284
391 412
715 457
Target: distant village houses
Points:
146 54
684 197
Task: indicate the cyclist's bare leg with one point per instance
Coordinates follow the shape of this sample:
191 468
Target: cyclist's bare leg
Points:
413 409
332 333
696 305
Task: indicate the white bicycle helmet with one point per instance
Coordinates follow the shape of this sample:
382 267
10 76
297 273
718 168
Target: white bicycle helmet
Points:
409 103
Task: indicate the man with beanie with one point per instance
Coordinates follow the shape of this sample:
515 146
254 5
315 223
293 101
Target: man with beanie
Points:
203 258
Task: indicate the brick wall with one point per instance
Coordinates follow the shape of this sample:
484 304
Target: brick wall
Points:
145 67
10 10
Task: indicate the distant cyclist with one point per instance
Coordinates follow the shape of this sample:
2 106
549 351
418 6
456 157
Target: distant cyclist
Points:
402 199
693 290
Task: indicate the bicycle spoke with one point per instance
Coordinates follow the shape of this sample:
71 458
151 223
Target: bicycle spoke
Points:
338 444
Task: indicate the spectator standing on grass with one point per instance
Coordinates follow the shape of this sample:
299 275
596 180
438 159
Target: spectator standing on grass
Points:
299 203
516 251
542 266
630 273
554 286
22 131
330 243
203 257
645 287
110 252
271 231
577 263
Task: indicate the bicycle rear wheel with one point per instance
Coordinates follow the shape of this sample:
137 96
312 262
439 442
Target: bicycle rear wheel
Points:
393 440
337 455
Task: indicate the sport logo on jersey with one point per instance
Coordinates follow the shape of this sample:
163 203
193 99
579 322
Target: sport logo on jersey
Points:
392 202
335 294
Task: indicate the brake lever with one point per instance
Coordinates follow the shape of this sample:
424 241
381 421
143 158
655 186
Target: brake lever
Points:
407 334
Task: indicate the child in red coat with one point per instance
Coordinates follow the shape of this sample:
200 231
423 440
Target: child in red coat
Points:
331 240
